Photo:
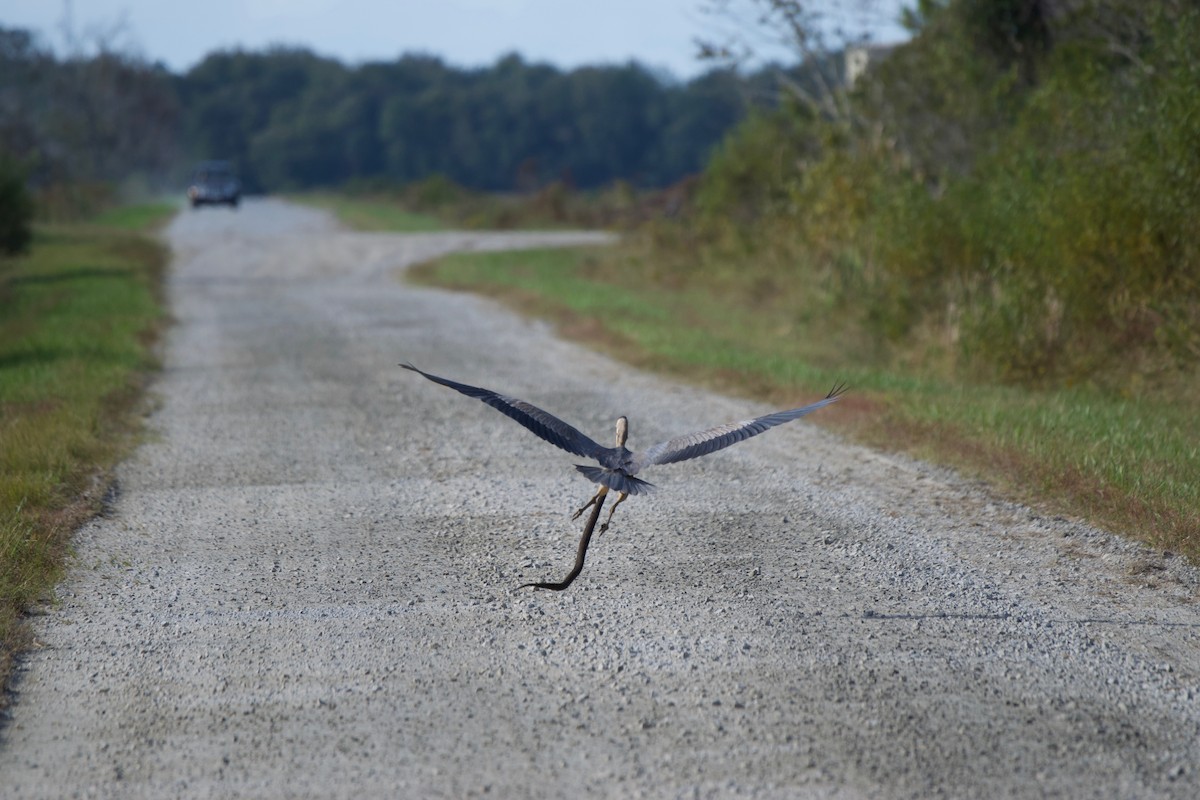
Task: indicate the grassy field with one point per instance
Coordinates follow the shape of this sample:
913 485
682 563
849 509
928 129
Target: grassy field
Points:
438 204
1128 464
79 316
366 214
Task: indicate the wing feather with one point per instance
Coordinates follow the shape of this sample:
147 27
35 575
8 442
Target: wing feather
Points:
701 443
542 423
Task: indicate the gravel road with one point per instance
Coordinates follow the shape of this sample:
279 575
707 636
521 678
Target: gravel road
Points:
305 585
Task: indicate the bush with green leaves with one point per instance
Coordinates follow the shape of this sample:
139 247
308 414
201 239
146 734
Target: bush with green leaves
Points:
1066 251
1022 198
16 209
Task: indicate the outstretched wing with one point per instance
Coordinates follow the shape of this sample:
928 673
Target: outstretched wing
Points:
545 425
701 443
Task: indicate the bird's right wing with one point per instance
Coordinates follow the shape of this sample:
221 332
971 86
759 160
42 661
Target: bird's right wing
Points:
701 443
544 424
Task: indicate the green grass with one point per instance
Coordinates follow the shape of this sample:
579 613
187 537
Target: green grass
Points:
368 214
1128 464
137 217
78 317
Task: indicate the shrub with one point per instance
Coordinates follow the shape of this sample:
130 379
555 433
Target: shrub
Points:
16 209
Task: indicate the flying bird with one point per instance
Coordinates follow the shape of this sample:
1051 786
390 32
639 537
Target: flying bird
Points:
618 466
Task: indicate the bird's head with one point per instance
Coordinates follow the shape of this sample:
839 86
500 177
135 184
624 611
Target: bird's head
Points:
622 430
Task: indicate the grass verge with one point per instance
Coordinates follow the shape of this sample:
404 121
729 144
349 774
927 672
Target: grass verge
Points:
1127 464
439 204
79 316
370 214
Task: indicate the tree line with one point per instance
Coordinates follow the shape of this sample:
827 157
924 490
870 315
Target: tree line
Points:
291 119
296 120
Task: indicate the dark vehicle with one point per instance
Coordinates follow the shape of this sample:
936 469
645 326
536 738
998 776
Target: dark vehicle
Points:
214 183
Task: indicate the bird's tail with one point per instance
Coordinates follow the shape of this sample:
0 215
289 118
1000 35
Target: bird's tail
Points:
617 481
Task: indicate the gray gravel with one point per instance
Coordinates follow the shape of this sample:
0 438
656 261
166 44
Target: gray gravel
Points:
306 585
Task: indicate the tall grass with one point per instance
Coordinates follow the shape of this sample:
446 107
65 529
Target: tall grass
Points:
78 318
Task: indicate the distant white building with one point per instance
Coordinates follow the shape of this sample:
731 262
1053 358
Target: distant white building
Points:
858 59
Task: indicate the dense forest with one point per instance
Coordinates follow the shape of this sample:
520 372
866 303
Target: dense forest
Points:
296 120
290 119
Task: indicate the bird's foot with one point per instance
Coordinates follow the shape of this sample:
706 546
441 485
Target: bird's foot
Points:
603 528
579 512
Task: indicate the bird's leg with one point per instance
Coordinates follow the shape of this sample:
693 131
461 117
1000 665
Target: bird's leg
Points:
599 493
581 553
620 500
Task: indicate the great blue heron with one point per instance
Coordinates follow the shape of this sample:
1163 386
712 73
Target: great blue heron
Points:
618 465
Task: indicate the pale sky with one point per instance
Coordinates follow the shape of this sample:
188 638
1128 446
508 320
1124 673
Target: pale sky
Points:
464 33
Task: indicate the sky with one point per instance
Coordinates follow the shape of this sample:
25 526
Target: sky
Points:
467 33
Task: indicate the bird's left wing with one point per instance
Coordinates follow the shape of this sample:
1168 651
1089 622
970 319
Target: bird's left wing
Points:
701 443
544 424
